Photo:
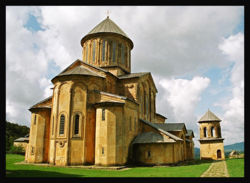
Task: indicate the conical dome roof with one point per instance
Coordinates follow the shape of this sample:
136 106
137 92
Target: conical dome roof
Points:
107 26
209 116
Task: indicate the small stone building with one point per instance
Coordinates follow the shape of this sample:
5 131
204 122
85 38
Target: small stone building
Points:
100 113
22 141
211 141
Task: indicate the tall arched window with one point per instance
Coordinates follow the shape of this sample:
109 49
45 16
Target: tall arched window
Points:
205 132
93 53
103 50
126 55
212 131
76 126
62 121
114 48
144 103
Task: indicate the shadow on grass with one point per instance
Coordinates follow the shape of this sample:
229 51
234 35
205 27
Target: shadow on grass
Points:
37 173
182 163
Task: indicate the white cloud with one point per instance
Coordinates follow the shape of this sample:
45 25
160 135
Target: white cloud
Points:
182 96
233 116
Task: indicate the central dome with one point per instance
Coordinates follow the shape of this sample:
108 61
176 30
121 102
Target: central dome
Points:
108 46
107 26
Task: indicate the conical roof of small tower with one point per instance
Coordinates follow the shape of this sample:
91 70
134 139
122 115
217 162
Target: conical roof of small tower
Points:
209 116
107 26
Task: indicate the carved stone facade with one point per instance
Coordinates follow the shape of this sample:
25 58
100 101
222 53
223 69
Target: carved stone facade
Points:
98 109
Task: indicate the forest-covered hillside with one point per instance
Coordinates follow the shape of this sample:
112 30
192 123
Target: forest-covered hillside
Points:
14 131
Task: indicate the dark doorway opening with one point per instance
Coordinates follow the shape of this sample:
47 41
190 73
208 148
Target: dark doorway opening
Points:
218 154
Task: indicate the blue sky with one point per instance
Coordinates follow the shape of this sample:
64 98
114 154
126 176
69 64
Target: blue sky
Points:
197 52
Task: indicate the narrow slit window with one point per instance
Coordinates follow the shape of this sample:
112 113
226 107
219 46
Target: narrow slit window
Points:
103 50
114 48
149 154
76 124
122 54
119 52
103 114
102 150
62 121
35 119
86 58
93 52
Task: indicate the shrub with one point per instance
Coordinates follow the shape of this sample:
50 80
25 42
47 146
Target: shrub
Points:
17 150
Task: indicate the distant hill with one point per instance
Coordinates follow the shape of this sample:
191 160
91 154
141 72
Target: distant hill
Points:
237 146
14 131
228 148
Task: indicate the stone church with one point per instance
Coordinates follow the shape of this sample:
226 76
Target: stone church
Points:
102 114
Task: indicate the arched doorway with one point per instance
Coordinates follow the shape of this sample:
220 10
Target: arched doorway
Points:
218 154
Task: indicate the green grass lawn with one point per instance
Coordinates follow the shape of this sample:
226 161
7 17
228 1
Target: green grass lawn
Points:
235 167
17 170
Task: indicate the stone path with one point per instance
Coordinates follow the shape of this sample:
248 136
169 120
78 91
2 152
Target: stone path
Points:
216 169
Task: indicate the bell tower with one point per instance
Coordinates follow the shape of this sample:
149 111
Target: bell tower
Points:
211 141
108 47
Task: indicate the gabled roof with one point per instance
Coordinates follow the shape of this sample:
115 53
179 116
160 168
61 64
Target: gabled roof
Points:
22 139
42 104
79 69
151 137
209 116
171 126
138 75
161 130
190 133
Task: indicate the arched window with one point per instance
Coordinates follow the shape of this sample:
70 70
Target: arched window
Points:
114 48
103 50
212 131
93 53
205 132
76 127
122 49
62 121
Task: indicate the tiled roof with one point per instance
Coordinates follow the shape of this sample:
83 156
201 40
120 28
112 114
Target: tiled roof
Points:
133 75
107 25
161 130
171 126
151 137
79 70
189 133
209 116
